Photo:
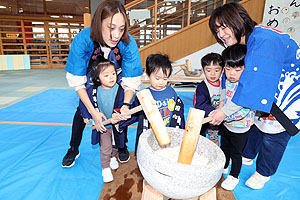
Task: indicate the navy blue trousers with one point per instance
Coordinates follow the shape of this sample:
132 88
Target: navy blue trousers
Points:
269 147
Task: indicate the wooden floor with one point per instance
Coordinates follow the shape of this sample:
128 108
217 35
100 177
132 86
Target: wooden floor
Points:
128 184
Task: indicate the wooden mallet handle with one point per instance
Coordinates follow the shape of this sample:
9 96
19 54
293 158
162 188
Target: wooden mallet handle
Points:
191 135
130 112
153 115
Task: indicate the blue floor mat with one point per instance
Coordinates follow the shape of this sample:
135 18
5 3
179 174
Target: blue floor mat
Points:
31 155
53 106
32 169
283 185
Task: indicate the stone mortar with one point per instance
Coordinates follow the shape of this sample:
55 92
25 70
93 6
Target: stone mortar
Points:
176 180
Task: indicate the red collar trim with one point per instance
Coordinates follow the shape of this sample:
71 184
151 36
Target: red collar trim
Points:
218 85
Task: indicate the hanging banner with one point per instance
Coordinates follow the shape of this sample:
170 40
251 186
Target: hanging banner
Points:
283 15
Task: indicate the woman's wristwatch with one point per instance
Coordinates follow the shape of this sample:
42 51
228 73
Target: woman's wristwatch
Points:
126 104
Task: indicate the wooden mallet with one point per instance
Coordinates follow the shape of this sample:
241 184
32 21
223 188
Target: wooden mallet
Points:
153 115
191 135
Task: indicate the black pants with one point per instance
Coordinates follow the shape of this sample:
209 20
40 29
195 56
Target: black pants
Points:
232 145
77 129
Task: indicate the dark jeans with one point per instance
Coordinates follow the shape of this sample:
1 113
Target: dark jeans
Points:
269 147
232 145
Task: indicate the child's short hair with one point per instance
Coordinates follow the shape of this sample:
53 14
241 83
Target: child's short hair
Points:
98 68
158 61
212 58
234 56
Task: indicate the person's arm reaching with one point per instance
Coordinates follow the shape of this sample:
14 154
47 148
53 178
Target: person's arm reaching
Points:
81 50
219 115
96 115
131 70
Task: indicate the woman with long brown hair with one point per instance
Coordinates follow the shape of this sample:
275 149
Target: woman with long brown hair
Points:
107 38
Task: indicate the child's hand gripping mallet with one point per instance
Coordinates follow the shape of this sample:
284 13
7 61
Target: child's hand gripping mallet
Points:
130 112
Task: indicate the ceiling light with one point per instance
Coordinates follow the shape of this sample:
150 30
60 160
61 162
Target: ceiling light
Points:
67 16
201 14
54 16
48 0
2 6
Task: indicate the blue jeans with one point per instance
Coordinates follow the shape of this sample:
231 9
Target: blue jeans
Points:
269 147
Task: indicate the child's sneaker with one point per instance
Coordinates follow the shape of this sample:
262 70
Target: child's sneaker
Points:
226 170
113 163
257 181
107 175
247 161
230 183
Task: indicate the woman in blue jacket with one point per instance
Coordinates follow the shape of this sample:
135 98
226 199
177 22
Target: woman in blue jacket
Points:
107 38
270 84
